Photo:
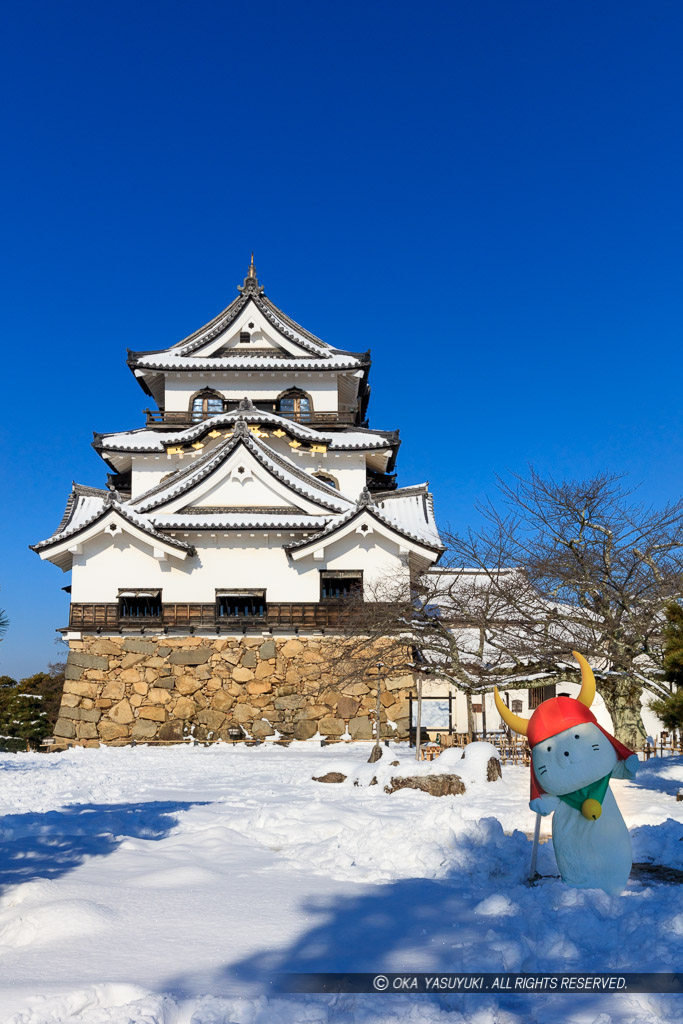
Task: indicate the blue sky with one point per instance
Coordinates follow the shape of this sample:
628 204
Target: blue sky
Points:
487 194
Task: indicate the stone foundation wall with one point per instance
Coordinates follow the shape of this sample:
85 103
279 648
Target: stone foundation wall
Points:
167 688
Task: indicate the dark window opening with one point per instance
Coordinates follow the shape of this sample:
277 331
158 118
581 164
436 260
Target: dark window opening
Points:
244 605
340 586
537 694
245 336
205 405
140 604
327 479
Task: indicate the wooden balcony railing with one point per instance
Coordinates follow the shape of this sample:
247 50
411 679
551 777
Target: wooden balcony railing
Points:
309 615
161 418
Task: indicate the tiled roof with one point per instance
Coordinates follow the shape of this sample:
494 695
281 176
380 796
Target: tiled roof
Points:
87 509
297 480
399 520
145 440
239 521
74 507
252 292
168 360
412 508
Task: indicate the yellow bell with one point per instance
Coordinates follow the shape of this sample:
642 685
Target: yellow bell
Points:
591 809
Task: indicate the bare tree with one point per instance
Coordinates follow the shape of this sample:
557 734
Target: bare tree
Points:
598 571
555 566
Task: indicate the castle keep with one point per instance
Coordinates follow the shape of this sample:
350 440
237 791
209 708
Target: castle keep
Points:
210 577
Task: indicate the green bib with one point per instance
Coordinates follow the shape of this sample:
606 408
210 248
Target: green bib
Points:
596 791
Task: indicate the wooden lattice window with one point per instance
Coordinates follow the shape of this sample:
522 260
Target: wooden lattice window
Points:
240 604
341 585
139 604
537 694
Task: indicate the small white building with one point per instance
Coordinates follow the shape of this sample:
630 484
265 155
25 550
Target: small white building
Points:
253 500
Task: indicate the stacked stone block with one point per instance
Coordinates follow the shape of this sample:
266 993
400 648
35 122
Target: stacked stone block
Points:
167 689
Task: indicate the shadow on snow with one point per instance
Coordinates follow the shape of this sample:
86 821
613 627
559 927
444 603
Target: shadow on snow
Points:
481 918
47 845
651 775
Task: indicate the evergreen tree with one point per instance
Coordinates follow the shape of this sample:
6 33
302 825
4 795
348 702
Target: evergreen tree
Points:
673 644
29 708
4 623
670 709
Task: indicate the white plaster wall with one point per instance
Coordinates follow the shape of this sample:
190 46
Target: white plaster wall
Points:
348 468
376 555
257 385
255 560
147 471
252 489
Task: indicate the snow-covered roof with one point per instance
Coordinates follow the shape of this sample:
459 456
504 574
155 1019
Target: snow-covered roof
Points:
236 520
82 505
315 353
408 513
401 519
145 440
168 360
412 509
86 509
185 478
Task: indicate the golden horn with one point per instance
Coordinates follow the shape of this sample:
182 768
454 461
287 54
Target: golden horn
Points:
587 695
516 723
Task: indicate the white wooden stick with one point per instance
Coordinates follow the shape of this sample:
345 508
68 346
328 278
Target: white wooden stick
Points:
534 852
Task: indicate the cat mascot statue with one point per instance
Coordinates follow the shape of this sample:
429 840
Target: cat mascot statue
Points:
572 760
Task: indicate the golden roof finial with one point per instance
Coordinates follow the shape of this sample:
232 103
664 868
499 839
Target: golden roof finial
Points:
252 269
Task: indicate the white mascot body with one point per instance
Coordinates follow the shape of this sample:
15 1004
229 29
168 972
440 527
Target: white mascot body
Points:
572 761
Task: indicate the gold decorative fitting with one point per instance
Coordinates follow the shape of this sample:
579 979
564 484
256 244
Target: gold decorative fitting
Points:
214 433
295 444
322 448
279 433
197 445
174 451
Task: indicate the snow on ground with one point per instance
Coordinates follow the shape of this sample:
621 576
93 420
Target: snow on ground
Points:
171 886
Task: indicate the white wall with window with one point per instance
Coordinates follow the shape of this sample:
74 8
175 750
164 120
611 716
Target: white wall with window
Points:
252 561
260 386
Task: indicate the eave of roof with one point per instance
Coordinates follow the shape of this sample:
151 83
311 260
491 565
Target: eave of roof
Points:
363 507
334 440
198 364
111 505
239 521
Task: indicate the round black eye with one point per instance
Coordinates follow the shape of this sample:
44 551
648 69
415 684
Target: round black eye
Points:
576 736
550 748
